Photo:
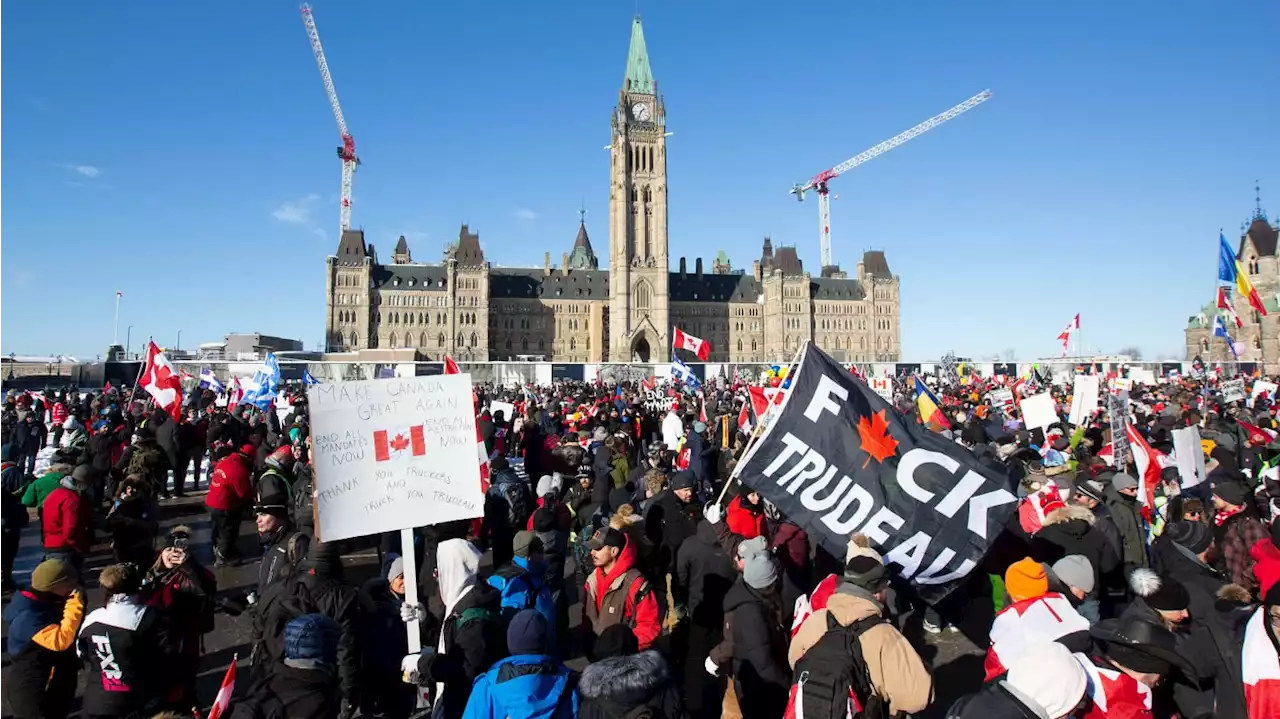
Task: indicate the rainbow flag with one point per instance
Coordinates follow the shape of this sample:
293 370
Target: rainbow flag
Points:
930 408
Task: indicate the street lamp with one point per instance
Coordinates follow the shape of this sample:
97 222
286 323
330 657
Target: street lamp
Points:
128 335
179 340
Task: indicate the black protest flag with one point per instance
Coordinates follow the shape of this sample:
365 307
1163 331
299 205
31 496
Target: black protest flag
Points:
837 459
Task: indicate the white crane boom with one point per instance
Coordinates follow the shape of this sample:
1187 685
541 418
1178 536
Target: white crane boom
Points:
818 183
347 152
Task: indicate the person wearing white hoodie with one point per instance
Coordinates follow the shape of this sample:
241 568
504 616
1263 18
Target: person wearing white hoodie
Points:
472 637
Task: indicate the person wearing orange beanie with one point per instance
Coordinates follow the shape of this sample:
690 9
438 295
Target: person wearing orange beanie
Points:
1025 579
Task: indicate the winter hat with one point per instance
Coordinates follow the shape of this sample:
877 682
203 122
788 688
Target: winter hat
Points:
683 479
1194 536
867 572
759 571
618 640
51 574
525 544
527 633
1075 570
1161 593
312 637
544 520
601 434
396 569
699 427
1048 674
749 547
1025 579
1123 481
1232 492
548 485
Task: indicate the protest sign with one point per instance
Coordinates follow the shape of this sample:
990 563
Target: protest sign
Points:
1142 376
656 401
1002 398
837 459
1118 412
1232 390
883 386
1084 398
393 454
507 409
1189 454
1258 388
1038 411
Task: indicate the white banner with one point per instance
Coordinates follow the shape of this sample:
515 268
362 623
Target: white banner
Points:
1233 390
507 409
393 454
883 386
1038 411
1189 454
1002 398
1259 387
1084 398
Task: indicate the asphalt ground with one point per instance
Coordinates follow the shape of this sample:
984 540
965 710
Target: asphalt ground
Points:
956 662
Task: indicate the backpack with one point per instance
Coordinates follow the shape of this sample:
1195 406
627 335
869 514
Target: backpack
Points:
831 679
516 588
516 496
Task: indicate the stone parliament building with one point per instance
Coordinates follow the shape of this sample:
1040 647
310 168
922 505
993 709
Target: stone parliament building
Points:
576 312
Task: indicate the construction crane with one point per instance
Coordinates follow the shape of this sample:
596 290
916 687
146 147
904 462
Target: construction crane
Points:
819 182
347 151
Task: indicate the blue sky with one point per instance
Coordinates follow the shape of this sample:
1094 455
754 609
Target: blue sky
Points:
183 153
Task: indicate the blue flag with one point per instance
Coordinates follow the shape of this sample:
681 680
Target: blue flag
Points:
1220 330
680 371
1226 262
307 379
210 380
265 384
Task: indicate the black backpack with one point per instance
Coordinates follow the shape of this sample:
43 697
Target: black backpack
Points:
833 668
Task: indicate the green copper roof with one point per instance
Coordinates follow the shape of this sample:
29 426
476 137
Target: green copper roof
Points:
639 76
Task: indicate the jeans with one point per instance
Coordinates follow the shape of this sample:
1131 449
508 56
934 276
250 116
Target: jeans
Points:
226 530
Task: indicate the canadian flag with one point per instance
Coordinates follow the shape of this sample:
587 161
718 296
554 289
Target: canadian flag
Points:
451 367
406 442
162 381
1065 337
1046 618
1148 462
223 700
696 345
1224 304
1261 668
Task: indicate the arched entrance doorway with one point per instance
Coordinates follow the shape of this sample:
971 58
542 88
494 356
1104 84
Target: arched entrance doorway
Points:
640 350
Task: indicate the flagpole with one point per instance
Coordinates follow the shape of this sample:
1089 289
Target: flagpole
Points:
115 338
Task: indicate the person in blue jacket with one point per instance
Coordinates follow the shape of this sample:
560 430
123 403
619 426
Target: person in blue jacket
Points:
529 683
523 583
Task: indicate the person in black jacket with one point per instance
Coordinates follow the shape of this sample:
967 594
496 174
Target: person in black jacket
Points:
623 681
303 687
165 429
703 575
1069 530
507 507
383 643
123 645
673 516
13 514
754 648
1047 682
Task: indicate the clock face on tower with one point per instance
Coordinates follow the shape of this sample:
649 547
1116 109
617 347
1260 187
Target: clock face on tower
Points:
640 111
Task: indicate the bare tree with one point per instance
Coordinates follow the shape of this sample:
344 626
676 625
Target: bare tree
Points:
1133 352
1010 355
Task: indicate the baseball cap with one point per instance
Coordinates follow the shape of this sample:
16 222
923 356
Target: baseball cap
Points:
607 537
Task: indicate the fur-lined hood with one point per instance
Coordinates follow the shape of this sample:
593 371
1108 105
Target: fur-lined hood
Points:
643 673
1068 513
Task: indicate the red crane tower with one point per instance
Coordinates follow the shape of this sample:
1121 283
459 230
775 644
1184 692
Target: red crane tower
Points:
346 151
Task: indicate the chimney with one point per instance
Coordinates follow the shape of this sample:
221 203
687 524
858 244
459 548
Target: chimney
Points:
546 268
697 264
564 267
755 270
682 270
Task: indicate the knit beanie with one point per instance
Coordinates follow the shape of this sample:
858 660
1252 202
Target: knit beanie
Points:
1025 579
1194 536
527 633
396 569
1075 570
1233 492
748 547
312 636
1161 593
759 571
867 572
1048 674
51 574
1123 481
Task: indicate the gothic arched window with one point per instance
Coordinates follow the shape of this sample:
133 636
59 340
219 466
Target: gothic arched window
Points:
392 342
355 339
642 296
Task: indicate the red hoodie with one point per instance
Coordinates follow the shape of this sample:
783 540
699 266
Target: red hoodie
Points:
742 521
1266 568
65 518
231 485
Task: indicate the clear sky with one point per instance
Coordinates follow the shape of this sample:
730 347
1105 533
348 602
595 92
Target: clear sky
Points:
183 153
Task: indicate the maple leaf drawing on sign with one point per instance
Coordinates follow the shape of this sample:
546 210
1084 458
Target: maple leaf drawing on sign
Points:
400 443
875 438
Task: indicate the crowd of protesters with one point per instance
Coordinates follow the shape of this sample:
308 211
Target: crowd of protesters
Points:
697 597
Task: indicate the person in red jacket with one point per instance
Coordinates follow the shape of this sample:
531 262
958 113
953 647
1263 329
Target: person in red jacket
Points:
66 518
616 592
230 492
1266 559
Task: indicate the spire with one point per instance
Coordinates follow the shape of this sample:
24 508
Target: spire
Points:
1257 201
639 77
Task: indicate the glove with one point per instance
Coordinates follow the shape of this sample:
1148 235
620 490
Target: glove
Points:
410 612
409 668
713 513
712 669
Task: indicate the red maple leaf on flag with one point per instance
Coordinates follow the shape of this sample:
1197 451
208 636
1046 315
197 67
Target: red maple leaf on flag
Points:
400 443
875 438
